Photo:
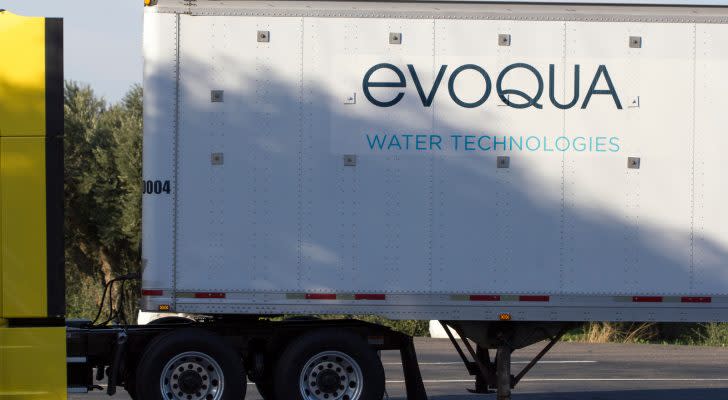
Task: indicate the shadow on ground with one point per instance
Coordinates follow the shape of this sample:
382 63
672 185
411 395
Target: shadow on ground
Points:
648 394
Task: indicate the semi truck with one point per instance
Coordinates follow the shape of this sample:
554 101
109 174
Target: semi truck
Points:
509 169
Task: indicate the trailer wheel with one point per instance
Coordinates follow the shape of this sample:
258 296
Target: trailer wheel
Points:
190 364
329 365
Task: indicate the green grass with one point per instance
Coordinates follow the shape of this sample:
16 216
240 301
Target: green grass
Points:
711 334
707 334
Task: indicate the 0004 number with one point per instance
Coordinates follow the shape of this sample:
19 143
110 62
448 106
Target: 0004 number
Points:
156 187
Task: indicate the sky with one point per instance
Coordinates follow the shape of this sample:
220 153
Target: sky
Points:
103 40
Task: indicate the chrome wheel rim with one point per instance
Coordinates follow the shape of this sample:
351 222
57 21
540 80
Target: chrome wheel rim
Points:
192 376
331 375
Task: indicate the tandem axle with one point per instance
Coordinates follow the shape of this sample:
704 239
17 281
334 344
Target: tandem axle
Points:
290 357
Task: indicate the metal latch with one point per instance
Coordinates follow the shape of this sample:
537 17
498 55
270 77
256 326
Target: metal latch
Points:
503 162
634 102
633 163
349 160
504 39
217 96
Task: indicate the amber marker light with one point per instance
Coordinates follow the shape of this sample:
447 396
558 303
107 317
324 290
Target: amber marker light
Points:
505 317
164 307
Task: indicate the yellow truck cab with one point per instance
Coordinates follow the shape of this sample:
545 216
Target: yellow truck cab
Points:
32 326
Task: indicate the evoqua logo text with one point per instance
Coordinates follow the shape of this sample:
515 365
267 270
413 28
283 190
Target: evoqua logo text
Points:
513 97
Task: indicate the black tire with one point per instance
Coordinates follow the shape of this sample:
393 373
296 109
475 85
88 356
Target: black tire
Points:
130 387
265 389
166 347
299 353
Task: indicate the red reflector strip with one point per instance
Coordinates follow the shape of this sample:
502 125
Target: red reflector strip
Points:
152 292
369 296
484 297
320 296
533 298
695 299
209 295
647 299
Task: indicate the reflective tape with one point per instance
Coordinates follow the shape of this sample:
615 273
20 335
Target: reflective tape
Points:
696 299
369 296
320 296
533 298
484 297
209 295
647 299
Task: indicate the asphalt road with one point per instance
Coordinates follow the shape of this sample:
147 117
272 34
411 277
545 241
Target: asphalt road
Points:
571 371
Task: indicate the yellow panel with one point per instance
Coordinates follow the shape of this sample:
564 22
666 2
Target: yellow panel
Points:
22 75
2 288
23 214
33 363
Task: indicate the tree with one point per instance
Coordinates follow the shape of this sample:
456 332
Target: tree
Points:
102 195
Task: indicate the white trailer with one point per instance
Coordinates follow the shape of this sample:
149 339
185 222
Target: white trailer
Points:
508 169
436 161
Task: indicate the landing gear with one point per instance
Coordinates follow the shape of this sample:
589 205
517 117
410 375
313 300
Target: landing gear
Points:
482 356
504 338
503 373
